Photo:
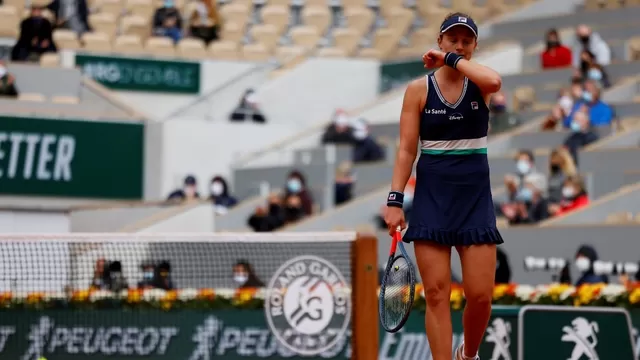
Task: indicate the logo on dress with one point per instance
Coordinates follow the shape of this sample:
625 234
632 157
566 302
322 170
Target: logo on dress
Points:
474 105
435 111
456 116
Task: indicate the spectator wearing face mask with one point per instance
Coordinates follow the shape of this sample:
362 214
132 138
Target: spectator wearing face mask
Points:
188 193
589 40
574 197
585 257
148 274
339 131
167 21
561 167
555 55
599 113
500 118
297 186
365 148
220 196
591 70
345 180
529 207
245 277
582 134
526 173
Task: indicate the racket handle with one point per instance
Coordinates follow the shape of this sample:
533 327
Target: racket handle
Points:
397 236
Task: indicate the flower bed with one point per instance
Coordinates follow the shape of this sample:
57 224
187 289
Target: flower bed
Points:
511 294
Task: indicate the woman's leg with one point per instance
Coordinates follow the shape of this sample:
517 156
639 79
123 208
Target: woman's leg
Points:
434 264
478 277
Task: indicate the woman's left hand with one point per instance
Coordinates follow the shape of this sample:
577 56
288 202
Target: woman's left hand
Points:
433 59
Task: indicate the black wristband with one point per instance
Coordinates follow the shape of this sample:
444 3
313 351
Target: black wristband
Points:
395 199
451 59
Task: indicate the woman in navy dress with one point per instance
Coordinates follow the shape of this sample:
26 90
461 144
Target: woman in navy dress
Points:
452 206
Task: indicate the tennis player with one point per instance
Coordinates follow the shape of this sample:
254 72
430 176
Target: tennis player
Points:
452 204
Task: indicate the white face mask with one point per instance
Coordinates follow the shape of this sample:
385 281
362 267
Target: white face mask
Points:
217 188
523 166
568 192
583 263
240 278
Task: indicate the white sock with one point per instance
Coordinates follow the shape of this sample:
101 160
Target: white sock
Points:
465 357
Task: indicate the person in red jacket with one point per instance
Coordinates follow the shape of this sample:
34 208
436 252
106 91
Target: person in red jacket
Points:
574 196
556 55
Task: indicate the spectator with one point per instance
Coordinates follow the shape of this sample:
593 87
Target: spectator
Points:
205 21
365 148
167 21
162 278
588 40
7 81
293 211
36 37
344 183
515 183
148 276
574 196
529 207
599 113
101 278
270 218
188 193
561 167
591 70
585 257
582 134
244 275
74 17
500 118
555 55
339 131
248 108
117 281
220 196
297 186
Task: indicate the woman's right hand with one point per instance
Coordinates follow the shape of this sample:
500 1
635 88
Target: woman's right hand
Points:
394 217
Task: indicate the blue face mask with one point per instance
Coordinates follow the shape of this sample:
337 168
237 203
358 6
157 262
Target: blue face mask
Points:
595 74
575 127
294 185
587 96
168 3
525 194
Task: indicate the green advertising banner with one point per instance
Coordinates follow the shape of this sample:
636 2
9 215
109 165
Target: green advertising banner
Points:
192 334
146 75
71 158
398 73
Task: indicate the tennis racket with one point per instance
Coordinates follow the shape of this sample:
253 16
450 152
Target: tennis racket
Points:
398 287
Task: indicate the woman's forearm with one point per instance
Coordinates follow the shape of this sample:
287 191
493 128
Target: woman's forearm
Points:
487 79
402 170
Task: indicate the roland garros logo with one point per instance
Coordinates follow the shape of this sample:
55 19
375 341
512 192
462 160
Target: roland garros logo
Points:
308 305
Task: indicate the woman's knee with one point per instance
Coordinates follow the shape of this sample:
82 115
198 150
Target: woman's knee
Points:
479 297
437 293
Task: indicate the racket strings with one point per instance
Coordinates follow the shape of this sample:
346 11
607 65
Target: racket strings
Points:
397 295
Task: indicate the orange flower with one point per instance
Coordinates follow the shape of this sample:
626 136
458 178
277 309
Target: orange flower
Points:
5 296
207 294
80 295
171 295
35 297
134 295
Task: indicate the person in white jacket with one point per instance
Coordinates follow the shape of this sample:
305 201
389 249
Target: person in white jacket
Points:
592 41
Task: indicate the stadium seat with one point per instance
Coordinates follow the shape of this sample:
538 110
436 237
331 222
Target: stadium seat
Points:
136 25
360 19
104 23
346 39
399 19
224 50
233 32
290 56
331 52
267 35
255 52
113 7
192 48
65 99
66 39
49 60
318 17
305 36
384 41
143 8
9 21
31 97
276 15
97 42
160 46
128 44
238 14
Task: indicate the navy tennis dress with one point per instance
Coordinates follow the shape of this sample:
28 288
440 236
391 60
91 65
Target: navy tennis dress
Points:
452 203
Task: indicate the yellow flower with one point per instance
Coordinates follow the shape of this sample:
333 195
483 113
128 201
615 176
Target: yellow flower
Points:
134 296
80 296
165 305
499 291
171 295
634 297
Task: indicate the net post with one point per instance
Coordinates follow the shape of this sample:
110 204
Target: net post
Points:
364 269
